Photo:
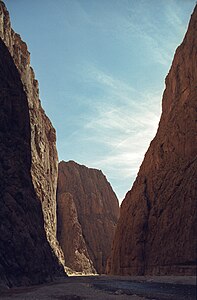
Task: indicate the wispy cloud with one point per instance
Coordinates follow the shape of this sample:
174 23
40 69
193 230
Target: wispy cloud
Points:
120 116
173 16
124 123
159 40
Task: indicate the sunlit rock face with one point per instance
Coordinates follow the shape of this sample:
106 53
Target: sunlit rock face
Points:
25 254
87 215
44 165
156 232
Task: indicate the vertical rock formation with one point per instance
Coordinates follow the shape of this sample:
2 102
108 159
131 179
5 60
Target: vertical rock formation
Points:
25 255
88 207
156 232
44 166
71 238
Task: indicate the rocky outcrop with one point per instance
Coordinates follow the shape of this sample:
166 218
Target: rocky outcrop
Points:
44 166
89 207
156 232
71 238
25 254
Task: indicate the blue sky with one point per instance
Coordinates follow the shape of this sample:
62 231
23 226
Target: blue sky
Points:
101 66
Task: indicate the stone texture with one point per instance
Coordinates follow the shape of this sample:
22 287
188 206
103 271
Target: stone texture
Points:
44 166
25 254
71 237
156 232
85 196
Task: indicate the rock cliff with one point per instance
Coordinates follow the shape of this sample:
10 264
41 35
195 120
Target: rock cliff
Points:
70 235
156 232
44 166
86 200
25 254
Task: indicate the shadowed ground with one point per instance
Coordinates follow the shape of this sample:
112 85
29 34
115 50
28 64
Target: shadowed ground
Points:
109 287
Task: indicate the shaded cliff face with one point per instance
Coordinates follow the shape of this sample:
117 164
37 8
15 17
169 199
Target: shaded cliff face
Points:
25 255
44 165
156 232
97 211
70 236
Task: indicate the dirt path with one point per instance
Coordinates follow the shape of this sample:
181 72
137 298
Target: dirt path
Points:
108 288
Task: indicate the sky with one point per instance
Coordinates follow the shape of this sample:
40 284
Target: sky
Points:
101 67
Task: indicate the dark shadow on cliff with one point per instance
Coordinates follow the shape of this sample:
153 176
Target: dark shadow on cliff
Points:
25 255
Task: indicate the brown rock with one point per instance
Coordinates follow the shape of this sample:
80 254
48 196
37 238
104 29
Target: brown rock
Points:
156 232
25 255
70 236
96 212
44 165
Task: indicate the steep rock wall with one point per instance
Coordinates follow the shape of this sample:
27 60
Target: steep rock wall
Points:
44 166
25 254
156 232
70 236
96 207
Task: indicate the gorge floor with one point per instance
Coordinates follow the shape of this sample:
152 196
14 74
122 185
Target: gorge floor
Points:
107 288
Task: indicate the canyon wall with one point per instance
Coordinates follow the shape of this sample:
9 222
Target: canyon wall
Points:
156 232
70 236
25 254
87 215
44 166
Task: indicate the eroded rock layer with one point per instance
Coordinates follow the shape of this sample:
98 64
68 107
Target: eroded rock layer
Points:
156 232
25 254
44 166
87 206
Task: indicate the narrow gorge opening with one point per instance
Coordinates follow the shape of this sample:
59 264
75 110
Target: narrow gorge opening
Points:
60 218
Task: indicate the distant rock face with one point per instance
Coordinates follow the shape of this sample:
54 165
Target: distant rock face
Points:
70 236
156 232
87 215
25 254
44 166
